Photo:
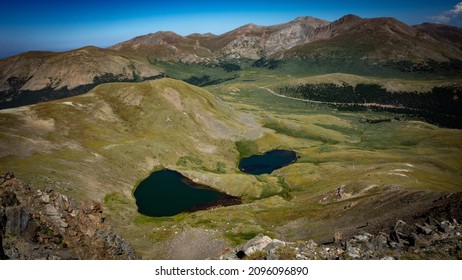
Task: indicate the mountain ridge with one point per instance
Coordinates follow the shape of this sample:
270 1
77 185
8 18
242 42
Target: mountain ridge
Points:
230 42
369 43
380 39
253 41
36 76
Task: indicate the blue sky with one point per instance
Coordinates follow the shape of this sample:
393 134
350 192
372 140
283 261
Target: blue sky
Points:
63 25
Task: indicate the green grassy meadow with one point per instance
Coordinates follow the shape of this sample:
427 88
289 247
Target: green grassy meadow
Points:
100 145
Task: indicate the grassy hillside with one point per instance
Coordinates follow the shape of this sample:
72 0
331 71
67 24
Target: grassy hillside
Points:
359 151
101 144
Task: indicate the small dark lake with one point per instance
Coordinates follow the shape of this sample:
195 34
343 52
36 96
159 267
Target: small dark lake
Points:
267 162
167 193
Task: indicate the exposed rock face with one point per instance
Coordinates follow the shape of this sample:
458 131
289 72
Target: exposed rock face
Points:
249 41
252 41
442 240
34 77
298 32
377 39
431 233
2 232
49 225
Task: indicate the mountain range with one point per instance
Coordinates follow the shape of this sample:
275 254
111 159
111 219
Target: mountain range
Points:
371 108
374 42
374 39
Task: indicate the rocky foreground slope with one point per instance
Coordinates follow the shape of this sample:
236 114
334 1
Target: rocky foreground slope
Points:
44 224
432 234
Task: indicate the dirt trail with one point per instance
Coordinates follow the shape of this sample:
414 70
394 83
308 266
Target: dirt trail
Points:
196 244
385 106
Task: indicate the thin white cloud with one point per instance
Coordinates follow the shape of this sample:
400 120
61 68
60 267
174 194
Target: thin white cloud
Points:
453 16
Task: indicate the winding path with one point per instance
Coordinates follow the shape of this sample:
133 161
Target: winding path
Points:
339 103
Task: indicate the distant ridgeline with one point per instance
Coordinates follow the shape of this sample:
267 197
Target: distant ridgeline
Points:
441 105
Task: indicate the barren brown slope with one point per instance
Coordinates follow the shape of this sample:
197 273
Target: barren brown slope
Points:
253 41
442 32
376 39
35 76
248 41
164 46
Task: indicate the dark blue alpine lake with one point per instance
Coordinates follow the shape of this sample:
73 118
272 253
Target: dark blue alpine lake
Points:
267 162
167 193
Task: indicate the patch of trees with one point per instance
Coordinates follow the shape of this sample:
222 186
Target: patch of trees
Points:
230 67
441 105
430 66
26 97
108 78
16 83
15 97
206 80
266 63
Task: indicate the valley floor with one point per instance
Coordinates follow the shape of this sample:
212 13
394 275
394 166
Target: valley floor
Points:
353 170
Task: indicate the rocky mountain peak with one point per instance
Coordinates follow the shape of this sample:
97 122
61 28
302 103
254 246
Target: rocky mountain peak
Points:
349 18
376 39
311 21
247 29
254 41
157 38
250 26
208 34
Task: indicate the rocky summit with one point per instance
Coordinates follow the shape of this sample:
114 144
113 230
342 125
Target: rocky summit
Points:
374 39
44 224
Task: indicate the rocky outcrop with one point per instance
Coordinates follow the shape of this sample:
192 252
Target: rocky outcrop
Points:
435 239
433 231
375 39
249 41
44 224
253 41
